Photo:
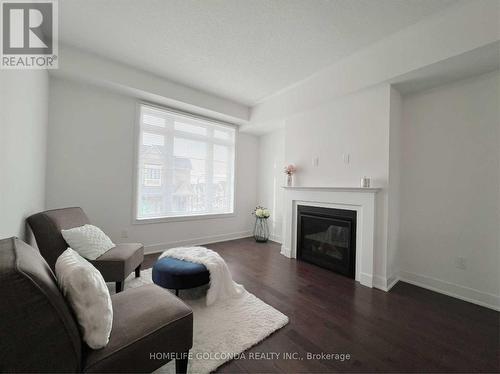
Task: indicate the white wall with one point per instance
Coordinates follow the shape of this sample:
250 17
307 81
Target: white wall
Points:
134 82
23 130
357 125
393 191
272 178
450 189
90 164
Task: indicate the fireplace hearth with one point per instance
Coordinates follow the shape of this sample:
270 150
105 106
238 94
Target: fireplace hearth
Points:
327 237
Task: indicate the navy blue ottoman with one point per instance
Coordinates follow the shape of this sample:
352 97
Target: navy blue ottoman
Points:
178 275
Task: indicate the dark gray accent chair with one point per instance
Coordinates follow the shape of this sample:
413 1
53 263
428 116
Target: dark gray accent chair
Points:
115 265
40 334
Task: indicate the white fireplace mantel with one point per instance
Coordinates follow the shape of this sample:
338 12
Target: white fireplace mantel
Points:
339 189
361 200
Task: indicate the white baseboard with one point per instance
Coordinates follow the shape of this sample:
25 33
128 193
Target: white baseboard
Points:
275 238
391 282
379 282
384 284
366 280
451 289
286 252
160 247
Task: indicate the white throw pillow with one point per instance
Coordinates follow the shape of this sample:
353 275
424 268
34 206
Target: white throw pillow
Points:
84 288
88 240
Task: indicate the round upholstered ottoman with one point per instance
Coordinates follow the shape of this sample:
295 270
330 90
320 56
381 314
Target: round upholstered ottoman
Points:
178 275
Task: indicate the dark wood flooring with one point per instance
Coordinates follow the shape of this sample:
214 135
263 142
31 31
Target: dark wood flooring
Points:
408 329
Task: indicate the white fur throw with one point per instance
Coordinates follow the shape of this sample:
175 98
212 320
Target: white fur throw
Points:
84 288
222 285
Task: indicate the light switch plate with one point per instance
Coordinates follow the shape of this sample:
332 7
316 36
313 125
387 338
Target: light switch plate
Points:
461 263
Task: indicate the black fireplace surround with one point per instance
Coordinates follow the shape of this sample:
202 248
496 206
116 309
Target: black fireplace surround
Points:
327 237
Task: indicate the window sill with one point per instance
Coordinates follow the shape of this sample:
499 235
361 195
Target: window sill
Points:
199 217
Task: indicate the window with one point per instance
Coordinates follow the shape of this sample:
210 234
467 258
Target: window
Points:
152 175
185 166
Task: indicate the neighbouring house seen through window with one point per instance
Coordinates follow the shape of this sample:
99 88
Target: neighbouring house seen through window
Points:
185 165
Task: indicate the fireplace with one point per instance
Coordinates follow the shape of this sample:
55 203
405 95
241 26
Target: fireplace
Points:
327 237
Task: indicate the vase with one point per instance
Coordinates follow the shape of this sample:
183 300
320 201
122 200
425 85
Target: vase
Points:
289 180
261 230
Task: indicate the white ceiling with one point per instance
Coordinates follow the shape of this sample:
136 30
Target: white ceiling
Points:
244 50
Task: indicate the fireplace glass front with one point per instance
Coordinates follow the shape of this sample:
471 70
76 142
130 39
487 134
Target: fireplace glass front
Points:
327 237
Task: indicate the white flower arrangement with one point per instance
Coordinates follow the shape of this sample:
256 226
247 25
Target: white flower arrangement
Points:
261 212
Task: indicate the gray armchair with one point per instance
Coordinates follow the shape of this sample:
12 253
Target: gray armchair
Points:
115 265
39 332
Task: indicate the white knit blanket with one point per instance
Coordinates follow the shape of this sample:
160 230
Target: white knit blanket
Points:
221 286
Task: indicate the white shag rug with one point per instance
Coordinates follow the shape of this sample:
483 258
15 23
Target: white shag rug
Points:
222 330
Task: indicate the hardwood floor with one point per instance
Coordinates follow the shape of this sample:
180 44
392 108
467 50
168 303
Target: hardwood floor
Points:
408 329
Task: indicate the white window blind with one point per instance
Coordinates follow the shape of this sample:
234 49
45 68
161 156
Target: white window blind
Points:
185 165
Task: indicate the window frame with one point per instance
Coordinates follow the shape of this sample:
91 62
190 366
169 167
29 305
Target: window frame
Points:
136 172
